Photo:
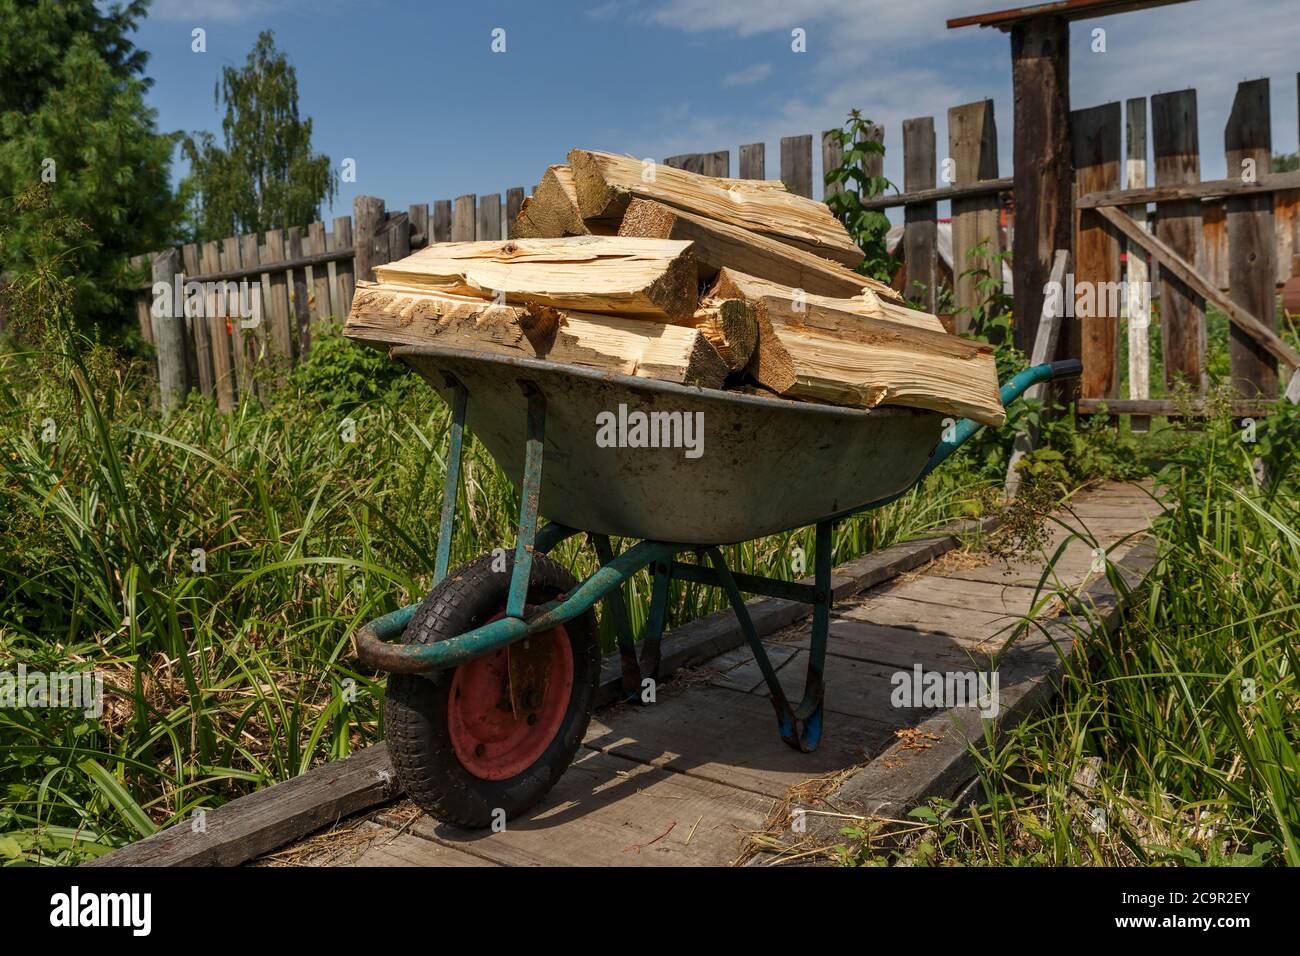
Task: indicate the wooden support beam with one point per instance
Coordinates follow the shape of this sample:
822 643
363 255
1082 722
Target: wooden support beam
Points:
1168 408
752 161
990 187
1267 184
1040 80
1182 271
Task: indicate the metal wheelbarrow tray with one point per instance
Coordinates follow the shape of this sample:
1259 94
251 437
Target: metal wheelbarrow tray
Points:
495 671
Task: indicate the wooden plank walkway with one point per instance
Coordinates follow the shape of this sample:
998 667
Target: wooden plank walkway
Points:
688 780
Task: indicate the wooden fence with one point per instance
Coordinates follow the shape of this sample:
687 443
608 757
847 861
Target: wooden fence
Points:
1237 236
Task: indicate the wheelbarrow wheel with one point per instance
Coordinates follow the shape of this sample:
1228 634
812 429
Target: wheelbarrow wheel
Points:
491 737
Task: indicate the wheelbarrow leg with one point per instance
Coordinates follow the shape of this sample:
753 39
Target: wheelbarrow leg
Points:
792 728
622 626
652 637
451 486
529 499
809 711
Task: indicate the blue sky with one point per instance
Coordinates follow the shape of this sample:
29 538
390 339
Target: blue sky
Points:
414 93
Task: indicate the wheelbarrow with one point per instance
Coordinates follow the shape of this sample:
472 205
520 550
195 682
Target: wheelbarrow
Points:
494 673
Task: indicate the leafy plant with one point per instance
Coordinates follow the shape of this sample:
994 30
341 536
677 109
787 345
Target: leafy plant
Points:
852 185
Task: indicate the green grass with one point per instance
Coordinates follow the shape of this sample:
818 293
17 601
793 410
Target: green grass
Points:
1189 716
240 676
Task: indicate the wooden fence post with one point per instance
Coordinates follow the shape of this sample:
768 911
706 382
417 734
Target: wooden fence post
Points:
1040 79
320 275
418 213
198 353
752 161
143 300
169 331
298 291
442 220
920 220
217 310
514 202
1252 245
254 338
489 216
1095 136
718 164
796 164
463 226
1178 223
832 157
1137 278
344 270
368 225
973 147
280 334
691 162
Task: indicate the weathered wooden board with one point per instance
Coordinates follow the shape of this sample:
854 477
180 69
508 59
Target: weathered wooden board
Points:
973 147
1252 242
1040 79
979 595
608 811
854 688
920 221
796 164
1178 160
1096 148
986 629
392 848
1137 293
729 738
260 822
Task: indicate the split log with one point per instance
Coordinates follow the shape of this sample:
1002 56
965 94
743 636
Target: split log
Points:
830 355
730 326
552 210
874 300
721 245
607 183
636 278
385 316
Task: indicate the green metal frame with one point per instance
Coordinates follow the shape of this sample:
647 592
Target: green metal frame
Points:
800 725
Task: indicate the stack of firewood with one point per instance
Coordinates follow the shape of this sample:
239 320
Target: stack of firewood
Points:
654 271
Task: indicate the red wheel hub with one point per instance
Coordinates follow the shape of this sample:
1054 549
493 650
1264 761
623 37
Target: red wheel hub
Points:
505 708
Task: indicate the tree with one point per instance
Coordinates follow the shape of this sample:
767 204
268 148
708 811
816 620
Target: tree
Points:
266 176
73 119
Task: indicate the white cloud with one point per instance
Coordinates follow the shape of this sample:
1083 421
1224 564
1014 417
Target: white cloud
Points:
749 75
606 11
223 11
898 60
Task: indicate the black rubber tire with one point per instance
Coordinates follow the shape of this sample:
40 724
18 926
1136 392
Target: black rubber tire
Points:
415 707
